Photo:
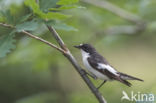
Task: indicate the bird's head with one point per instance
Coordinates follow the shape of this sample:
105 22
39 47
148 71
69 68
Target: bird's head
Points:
86 47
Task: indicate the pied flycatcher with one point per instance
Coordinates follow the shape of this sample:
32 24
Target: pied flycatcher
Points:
100 68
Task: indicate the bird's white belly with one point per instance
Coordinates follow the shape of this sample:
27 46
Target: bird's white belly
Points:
93 71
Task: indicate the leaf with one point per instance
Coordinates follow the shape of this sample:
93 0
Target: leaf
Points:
46 4
6 44
45 16
28 26
7 16
67 7
24 18
61 26
33 5
67 2
51 15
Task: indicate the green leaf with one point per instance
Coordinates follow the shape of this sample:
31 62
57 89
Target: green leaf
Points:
33 5
45 16
51 15
24 18
65 7
61 26
6 44
46 4
28 26
67 2
7 16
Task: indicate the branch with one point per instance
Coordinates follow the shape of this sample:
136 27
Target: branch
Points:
116 10
68 55
6 25
42 40
73 61
57 37
35 37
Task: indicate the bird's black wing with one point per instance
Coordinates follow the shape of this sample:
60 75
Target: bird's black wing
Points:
93 61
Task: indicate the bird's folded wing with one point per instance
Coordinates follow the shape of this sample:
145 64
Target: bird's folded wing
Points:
106 71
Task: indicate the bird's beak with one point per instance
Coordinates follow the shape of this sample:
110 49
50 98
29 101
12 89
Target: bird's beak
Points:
77 46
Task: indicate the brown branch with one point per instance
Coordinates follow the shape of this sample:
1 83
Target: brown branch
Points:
68 55
42 40
116 10
35 37
57 37
6 25
73 61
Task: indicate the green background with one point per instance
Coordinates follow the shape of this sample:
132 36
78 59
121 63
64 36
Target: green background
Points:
35 73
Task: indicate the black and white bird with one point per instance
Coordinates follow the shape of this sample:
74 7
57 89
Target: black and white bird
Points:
99 68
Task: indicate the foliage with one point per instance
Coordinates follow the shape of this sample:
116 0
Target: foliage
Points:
6 44
28 26
34 72
30 22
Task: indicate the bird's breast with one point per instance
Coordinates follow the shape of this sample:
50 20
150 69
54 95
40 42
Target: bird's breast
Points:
99 75
94 71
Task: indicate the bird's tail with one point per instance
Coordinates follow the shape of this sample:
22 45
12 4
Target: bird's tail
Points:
126 82
128 77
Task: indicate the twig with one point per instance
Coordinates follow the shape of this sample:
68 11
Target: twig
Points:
68 55
42 40
73 61
116 10
6 25
57 37
35 37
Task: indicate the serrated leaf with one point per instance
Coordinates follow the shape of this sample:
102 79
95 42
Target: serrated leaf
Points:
67 2
28 26
6 44
45 16
65 7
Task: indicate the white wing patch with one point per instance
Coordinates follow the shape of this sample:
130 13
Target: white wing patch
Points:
108 67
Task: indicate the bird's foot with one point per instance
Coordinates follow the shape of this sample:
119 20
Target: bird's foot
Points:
101 84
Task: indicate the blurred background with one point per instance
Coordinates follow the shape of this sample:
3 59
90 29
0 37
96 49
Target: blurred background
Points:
123 31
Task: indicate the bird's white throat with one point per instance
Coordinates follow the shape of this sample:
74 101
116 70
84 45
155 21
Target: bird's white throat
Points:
84 54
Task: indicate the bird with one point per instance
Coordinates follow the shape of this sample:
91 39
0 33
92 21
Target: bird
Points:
99 68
